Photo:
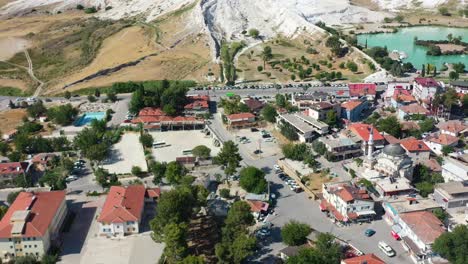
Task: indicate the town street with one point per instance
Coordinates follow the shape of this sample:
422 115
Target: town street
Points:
298 206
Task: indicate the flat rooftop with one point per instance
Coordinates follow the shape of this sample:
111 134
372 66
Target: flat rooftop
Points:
298 123
338 142
313 121
400 184
453 188
405 204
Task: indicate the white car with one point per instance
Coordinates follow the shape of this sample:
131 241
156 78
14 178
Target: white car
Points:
386 249
71 178
269 139
276 167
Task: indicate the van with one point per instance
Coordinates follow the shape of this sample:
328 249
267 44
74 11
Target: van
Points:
386 249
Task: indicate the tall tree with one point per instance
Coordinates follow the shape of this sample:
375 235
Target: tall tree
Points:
266 55
423 70
175 238
229 157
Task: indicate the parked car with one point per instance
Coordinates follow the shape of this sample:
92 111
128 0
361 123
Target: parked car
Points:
369 232
270 139
71 178
386 249
276 167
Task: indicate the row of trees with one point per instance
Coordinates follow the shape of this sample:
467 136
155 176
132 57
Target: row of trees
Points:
173 214
62 115
170 97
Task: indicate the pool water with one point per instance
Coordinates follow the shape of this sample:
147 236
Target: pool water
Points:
88 117
403 40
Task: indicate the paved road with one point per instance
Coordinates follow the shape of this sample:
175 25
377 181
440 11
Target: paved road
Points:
291 205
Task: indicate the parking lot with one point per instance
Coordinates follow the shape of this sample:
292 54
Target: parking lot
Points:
253 141
128 152
178 141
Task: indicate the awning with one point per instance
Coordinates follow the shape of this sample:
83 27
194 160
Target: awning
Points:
368 212
396 228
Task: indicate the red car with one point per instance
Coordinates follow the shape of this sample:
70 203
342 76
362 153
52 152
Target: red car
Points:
395 235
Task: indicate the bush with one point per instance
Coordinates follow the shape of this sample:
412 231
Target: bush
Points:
254 33
79 7
90 10
352 66
137 171
224 193
259 68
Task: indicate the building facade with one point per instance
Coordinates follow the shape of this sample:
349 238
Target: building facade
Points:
122 211
32 224
451 194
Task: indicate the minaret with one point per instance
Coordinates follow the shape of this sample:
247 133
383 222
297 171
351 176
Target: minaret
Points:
370 143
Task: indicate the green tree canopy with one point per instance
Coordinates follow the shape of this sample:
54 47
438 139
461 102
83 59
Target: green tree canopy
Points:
253 180
453 246
269 113
295 233
62 114
254 33
201 151
175 238
146 140
174 172
390 125
229 157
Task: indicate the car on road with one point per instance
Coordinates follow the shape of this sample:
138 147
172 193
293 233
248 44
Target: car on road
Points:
369 232
386 249
71 178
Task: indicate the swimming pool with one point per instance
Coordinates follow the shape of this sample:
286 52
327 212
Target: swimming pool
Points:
88 117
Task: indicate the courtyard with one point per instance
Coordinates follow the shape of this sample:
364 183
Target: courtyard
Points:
178 141
128 152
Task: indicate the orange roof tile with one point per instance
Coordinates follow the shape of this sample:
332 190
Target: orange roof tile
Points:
241 116
257 206
42 205
454 126
414 109
123 204
363 131
411 144
442 139
424 224
368 258
350 105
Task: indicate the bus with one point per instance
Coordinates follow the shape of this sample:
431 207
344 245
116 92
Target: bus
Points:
187 152
159 144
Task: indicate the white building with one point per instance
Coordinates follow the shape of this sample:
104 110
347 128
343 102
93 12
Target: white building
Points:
437 141
455 169
345 202
32 224
419 231
122 212
451 194
425 88
305 126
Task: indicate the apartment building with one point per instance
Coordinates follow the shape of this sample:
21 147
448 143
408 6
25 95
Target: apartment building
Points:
32 224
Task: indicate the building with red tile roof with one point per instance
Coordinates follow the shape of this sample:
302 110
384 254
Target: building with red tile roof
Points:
155 119
437 141
421 229
402 97
254 105
258 206
240 120
122 211
198 105
32 224
358 90
367 258
453 127
360 132
411 110
352 110
425 88
10 170
416 149
346 202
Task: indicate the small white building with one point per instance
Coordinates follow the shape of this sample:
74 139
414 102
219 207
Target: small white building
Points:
425 88
437 141
455 169
122 211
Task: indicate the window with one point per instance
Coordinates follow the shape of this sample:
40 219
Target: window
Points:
34 238
11 246
9 239
37 253
35 246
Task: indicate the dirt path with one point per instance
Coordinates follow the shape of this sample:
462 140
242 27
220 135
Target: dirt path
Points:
31 73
